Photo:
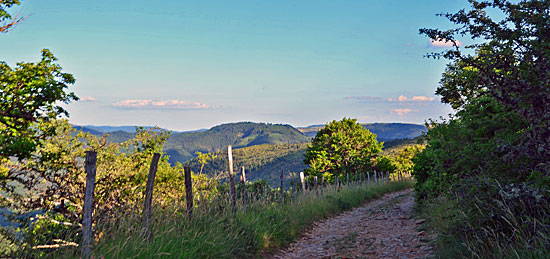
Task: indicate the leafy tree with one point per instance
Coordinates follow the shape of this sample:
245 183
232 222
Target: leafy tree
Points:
204 158
29 95
470 145
385 164
402 161
340 147
512 64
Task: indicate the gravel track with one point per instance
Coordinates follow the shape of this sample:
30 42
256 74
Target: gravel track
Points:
383 228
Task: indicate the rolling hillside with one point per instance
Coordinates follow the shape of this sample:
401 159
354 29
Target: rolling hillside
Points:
182 146
261 162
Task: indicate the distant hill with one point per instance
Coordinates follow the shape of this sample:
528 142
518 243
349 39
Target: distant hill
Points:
182 146
383 131
261 162
107 129
390 131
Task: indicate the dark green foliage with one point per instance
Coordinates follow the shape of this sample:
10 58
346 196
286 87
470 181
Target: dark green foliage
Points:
490 161
512 65
30 93
469 145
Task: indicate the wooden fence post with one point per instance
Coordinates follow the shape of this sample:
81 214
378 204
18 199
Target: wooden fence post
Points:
188 189
282 189
149 196
87 234
368 177
231 182
322 183
295 180
347 180
243 182
388 176
375 177
316 186
303 182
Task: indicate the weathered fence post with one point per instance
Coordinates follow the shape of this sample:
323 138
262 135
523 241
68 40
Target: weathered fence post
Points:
232 193
322 183
188 189
295 180
303 182
375 177
87 234
347 180
243 182
316 186
368 178
388 176
282 189
149 196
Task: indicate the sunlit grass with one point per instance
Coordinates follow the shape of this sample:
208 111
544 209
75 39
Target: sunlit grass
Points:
212 232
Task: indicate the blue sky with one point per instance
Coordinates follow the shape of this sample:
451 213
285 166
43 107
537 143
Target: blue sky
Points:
187 65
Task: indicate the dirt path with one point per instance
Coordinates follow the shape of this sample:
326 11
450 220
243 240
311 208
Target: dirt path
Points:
384 228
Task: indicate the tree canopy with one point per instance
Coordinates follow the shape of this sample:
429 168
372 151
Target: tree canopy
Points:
340 147
511 64
30 93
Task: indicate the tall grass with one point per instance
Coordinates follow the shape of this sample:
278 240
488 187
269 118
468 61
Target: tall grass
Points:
212 232
487 226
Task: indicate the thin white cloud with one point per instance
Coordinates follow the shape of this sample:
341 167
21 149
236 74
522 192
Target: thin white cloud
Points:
418 98
87 99
401 112
162 104
401 98
442 43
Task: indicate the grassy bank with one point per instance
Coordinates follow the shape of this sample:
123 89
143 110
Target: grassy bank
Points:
464 233
214 233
